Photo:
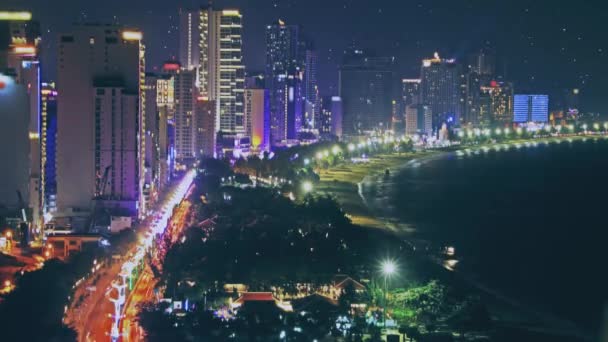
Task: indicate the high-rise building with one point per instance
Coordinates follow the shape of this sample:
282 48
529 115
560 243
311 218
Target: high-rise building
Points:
165 103
366 89
20 71
100 118
151 156
205 127
440 81
483 63
418 119
410 91
500 95
284 80
184 94
48 146
189 38
257 114
312 100
531 108
331 117
221 75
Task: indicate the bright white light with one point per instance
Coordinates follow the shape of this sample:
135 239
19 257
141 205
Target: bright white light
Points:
306 161
351 147
335 150
319 155
388 267
307 187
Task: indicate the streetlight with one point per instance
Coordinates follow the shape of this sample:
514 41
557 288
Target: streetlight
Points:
351 147
307 187
388 269
335 150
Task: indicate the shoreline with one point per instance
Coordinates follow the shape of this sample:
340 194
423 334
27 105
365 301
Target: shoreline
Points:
344 182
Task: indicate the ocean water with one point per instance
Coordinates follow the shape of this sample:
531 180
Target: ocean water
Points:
530 222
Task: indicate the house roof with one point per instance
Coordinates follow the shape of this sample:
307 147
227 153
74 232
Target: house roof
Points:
341 281
255 297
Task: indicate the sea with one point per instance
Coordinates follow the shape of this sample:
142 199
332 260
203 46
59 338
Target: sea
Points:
528 221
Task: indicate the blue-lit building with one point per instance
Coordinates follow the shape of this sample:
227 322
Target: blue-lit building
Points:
284 80
531 108
48 142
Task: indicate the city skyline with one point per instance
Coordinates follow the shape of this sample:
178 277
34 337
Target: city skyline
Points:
530 43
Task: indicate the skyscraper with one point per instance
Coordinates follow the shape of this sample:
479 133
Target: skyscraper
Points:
366 89
221 70
418 119
312 100
284 77
205 127
100 109
331 117
440 80
151 156
19 60
531 108
165 102
184 94
48 146
189 38
410 91
501 102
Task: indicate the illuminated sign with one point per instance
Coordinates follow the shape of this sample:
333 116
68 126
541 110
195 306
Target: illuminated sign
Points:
15 16
231 13
25 50
171 66
132 35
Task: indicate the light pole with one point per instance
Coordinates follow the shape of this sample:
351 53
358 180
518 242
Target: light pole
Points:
388 269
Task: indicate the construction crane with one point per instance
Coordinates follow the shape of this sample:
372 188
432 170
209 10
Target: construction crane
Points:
23 226
104 182
99 195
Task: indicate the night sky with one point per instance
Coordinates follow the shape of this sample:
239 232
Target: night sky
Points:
544 46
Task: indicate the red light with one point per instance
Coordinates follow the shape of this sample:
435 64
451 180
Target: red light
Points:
493 84
171 66
2 85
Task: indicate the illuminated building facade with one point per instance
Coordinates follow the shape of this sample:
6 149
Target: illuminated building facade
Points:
205 127
48 146
151 155
165 103
531 108
284 80
312 99
440 80
418 119
189 35
257 113
101 78
184 93
331 117
221 70
500 95
366 90
20 73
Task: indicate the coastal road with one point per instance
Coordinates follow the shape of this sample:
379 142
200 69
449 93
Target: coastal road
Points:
92 318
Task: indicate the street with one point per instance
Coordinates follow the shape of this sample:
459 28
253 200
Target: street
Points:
92 312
